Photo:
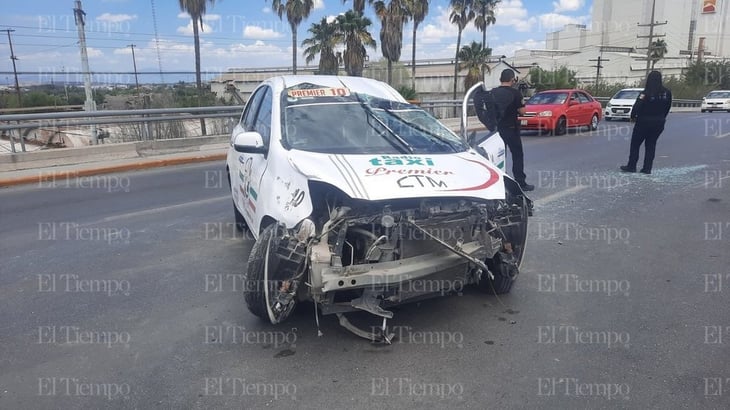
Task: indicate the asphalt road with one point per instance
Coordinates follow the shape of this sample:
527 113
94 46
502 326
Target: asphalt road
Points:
124 291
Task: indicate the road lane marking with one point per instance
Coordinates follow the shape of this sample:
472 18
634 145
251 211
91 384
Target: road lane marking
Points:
560 194
727 134
161 209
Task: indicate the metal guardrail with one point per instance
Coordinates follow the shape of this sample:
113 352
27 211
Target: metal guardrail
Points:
56 119
10 122
27 122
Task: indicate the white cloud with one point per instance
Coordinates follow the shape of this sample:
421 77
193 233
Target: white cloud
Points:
266 10
441 28
567 5
188 30
116 18
260 33
508 49
513 13
94 52
206 17
318 4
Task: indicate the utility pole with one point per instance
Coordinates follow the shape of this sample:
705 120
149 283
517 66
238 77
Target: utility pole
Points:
134 62
15 70
651 36
598 66
90 105
701 50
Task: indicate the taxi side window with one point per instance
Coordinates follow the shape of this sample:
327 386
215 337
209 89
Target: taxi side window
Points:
583 98
262 125
249 114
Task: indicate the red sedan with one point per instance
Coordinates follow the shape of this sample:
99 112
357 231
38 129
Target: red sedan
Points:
556 110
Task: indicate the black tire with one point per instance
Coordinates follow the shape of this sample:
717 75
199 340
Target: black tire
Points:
505 266
703 110
594 122
255 287
504 273
561 127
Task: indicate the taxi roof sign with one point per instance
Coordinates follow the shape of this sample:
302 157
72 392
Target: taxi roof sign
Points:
319 92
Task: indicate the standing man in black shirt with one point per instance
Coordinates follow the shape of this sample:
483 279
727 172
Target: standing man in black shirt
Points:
499 108
650 113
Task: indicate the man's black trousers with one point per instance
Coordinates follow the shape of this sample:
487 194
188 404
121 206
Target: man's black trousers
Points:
511 138
647 133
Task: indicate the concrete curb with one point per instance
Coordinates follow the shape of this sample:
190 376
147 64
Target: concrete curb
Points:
105 152
50 175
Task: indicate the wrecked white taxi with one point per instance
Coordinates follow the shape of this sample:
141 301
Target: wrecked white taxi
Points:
359 200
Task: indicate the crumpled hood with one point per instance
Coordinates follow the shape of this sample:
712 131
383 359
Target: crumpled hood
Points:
378 177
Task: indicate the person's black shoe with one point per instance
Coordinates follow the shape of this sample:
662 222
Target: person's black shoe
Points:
645 171
626 168
527 187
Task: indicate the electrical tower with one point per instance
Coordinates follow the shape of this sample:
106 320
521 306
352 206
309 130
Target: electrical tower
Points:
90 105
134 62
15 70
650 47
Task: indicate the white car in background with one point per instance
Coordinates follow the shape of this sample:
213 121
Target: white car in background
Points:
717 100
620 105
360 201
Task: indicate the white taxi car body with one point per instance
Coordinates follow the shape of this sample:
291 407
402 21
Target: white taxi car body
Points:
359 201
620 105
717 100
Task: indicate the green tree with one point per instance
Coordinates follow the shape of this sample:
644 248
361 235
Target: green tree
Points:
358 6
417 10
711 74
462 13
393 17
354 30
484 10
296 11
474 58
323 41
658 51
559 78
196 9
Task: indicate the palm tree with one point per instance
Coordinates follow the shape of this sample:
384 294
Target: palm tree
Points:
417 10
474 59
354 30
462 13
196 9
484 10
392 18
658 51
323 41
358 5
296 11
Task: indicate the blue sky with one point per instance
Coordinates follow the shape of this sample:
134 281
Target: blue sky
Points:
238 33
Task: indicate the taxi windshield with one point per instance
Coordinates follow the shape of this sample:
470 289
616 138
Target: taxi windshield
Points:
337 120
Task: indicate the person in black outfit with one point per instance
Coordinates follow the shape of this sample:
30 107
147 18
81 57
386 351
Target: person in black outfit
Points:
650 113
499 109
